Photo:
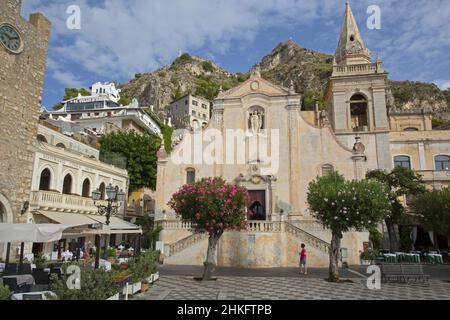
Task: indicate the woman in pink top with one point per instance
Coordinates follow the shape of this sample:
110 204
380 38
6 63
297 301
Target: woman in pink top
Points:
303 258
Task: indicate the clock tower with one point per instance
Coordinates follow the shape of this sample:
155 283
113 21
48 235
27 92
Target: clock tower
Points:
23 56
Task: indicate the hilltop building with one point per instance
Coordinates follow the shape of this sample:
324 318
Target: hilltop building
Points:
101 113
355 134
190 112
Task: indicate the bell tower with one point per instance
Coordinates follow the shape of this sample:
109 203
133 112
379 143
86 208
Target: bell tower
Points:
356 94
23 56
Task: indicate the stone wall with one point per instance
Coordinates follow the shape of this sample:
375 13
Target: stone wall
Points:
21 82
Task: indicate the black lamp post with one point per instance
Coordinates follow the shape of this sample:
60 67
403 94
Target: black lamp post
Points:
114 201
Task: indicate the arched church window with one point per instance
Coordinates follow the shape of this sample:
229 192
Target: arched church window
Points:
402 161
190 176
327 169
358 111
86 192
67 184
256 119
44 180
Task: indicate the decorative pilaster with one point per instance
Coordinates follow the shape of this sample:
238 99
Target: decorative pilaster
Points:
294 155
358 158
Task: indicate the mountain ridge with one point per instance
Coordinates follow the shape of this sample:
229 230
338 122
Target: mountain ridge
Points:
288 62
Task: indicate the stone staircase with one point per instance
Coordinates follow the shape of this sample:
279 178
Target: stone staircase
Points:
254 227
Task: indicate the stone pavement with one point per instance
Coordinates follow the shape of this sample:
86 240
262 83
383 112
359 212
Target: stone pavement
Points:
289 286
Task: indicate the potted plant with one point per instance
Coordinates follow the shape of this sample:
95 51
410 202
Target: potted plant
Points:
368 257
96 284
5 293
39 261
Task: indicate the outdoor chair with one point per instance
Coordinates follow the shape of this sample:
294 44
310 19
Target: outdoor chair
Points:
25 268
56 271
10 269
41 277
13 286
32 297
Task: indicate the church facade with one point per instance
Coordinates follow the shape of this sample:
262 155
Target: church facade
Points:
260 138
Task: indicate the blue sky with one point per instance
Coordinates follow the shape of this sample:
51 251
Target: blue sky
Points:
119 38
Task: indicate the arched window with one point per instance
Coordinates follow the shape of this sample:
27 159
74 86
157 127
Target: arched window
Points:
86 192
442 163
61 145
327 169
102 189
402 161
45 180
190 176
67 184
411 129
41 138
358 111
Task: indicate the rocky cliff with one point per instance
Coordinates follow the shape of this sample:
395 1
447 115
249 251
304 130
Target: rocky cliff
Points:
309 70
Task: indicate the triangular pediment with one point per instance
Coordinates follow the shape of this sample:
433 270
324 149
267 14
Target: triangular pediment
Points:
254 85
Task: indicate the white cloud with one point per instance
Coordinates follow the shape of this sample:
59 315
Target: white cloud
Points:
67 78
124 37
443 84
120 38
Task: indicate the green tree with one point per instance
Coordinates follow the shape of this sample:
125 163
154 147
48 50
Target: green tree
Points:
433 208
5 293
212 206
125 100
206 87
140 154
310 97
343 205
208 66
400 181
70 93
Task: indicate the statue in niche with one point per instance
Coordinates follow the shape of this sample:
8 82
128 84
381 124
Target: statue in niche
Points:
256 122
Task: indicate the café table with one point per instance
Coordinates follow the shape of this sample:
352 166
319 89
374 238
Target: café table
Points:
19 296
434 258
390 257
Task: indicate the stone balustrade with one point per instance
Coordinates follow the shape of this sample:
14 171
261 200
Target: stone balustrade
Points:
185 243
308 238
355 69
54 201
264 226
174 225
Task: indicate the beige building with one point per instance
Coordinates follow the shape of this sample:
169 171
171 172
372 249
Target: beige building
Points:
190 112
61 191
284 148
23 55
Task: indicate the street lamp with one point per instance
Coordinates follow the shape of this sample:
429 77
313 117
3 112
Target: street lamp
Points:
115 199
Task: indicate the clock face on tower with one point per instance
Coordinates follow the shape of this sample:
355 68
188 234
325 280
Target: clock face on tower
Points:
10 38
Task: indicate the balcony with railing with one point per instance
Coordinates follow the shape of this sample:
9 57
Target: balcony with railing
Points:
357 69
54 201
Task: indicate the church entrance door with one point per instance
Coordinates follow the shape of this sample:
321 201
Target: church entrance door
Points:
257 205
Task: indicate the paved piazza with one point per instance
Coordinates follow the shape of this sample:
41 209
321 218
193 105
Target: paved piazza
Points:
265 285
